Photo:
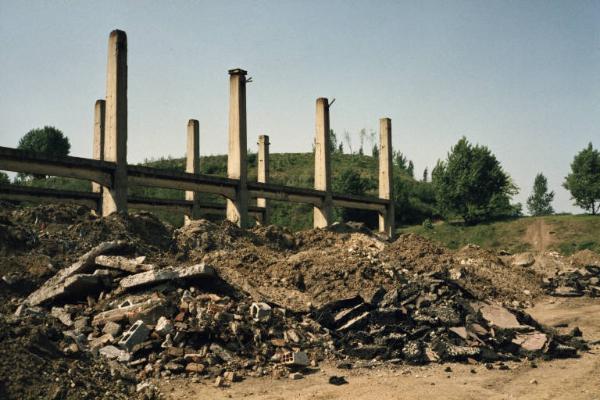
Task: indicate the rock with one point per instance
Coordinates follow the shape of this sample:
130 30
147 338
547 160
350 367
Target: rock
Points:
356 323
167 274
112 328
534 341
219 382
195 367
260 311
295 376
112 352
148 311
566 291
62 315
499 317
131 265
81 323
163 326
523 260
337 380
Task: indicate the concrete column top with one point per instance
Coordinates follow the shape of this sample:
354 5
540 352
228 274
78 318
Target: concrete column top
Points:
237 71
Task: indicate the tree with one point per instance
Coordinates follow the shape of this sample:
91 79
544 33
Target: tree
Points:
425 174
584 180
539 203
375 151
4 180
472 184
400 160
333 142
411 169
350 182
47 140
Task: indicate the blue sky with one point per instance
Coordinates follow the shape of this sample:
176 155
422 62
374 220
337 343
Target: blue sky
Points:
522 77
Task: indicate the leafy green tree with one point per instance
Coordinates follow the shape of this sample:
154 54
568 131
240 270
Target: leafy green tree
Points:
400 160
350 182
425 174
540 201
47 140
472 184
4 180
375 151
584 180
411 169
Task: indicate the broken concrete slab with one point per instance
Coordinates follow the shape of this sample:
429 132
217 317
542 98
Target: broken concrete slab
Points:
112 328
112 352
500 317
53 287
148 311
533 341
166 274
76 286
356 323
63 315
131 265
566 291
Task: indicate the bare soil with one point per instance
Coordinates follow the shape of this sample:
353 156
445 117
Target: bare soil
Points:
559 379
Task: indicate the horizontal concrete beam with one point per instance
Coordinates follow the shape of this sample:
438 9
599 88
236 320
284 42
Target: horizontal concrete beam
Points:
91 199
69 167
44 195
145 176
358 205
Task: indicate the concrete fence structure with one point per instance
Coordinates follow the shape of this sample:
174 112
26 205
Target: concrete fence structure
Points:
111 175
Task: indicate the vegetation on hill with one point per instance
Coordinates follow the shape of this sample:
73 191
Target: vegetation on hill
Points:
570 233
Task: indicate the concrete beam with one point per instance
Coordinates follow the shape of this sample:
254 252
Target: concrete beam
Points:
386 218
98 150
114 199
323 215
237 168
192 164
68 167
263 173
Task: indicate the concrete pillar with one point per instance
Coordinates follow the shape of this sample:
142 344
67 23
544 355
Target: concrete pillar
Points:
263 173
237 168
322 216
192 164
114 199
98 150
386 219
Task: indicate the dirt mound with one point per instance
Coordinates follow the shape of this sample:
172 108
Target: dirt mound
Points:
39 361
585 258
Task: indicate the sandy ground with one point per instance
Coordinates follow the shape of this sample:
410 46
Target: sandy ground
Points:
538 235
559 379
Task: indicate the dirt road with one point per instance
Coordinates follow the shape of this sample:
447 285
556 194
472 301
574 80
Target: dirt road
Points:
538 235
560 379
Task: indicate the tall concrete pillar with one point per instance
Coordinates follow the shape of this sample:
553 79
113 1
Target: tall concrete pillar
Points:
237 168
98 150
263 173
192 164
323 215
386 219
114 199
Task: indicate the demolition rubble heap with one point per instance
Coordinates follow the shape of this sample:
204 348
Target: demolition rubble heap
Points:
143 301
581 278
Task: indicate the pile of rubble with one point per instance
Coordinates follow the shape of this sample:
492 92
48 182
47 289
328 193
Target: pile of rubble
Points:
432 319
575 282
211 301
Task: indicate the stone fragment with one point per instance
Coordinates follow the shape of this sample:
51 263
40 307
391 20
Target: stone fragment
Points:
459 331
231 376
195 367
499 317
112 328
523 260
137 333
112 352
337 380
533 341
163 326
356 323
149 311
260 311
102 341
167 274
131 265
566 291
62 315
342 317
219 382
81 323
295 376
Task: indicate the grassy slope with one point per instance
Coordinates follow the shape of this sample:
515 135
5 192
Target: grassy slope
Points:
571 233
